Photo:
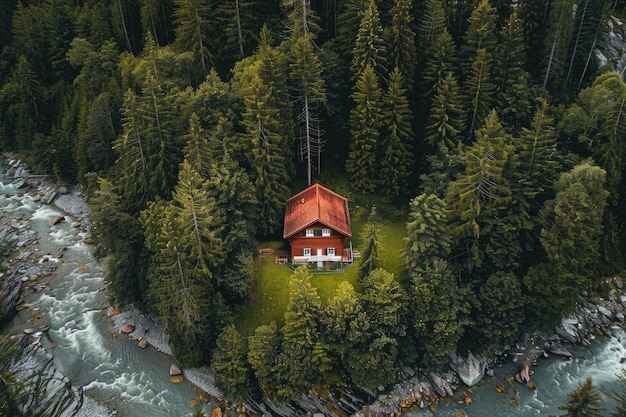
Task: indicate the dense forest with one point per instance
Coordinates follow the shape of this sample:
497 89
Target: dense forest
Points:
189 123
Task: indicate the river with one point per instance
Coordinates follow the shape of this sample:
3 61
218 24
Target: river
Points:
117 375
113 370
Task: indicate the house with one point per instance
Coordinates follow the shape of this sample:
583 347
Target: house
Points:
317 226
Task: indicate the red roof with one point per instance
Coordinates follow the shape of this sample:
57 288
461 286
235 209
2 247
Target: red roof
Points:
316 204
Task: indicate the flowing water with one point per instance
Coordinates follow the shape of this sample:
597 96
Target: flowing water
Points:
135 382
555 377
113 370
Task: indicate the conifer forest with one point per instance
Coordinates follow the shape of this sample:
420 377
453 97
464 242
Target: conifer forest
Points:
492 125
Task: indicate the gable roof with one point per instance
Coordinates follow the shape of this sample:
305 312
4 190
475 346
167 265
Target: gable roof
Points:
316 204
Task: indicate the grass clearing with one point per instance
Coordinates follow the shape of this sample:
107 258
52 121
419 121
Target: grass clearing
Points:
271 293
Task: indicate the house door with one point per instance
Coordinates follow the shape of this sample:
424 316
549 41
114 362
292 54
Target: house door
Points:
320 264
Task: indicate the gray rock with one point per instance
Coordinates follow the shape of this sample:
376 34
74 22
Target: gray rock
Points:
471 369
558 349
605 312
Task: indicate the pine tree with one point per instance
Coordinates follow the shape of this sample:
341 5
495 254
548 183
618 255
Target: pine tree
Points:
310 96
428 238
370 49
120 241
264 120
156 19
438 314
502 311
370 254
263 349
303 360
383 301
445 121
482 185
510 57
192 20
395 148
431 26
583 402
229 361
365 128
337 317
558 36
481 34
479 91
534 15
573 221
401 42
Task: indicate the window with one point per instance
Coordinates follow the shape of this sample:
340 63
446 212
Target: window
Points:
308 232
325 232
306 251
330 251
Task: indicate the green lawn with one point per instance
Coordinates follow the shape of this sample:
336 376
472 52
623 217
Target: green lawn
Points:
271 294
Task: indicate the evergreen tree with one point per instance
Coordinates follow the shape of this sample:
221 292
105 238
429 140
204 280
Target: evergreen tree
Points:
265 129
383 301
370 49
481 34
303 360
431 26
156 19
337 319
558 36
229 361
310 96
583 402
263 349
510 57
482 185
573 221
438 314
369 256
534 15
502 310
401 42
428 237
479 91
441 61
365 128
192 21
120 241
395 149
445 121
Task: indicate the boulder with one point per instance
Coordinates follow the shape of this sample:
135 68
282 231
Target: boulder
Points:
142 343
558 349
63 190
470 369
442 387
175 370
56 220
127 328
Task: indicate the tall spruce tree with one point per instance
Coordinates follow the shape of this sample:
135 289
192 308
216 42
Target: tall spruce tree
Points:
395 149
428 237
303 360
402 48
446 118
479 90
370 48
365 128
